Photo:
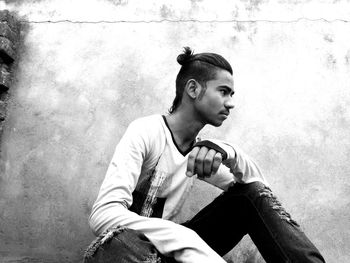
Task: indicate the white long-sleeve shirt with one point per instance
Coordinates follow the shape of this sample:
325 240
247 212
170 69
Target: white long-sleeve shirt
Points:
145 187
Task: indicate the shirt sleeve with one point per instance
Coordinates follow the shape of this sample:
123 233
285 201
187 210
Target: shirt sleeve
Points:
237 167
115 197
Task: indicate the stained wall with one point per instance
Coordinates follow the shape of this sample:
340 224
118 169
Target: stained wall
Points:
88 68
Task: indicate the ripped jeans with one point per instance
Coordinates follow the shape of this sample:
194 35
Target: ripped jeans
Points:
243 209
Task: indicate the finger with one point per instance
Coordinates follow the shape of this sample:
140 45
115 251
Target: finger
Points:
216 162
200 160
208 163
191 161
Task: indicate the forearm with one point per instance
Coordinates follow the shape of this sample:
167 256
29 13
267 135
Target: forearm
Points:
243 168
168 237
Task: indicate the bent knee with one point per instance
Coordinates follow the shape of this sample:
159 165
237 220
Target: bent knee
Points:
249 188
118 244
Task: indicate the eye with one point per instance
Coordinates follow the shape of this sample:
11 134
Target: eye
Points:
224 92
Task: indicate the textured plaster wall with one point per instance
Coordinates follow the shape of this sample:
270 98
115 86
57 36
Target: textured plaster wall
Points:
88 68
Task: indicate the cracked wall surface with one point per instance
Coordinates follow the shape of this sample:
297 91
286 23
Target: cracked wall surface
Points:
88 68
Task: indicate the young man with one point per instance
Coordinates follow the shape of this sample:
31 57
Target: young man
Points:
154 167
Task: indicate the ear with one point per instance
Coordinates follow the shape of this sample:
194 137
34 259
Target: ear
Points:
192 88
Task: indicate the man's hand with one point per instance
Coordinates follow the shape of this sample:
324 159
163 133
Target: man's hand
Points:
203 161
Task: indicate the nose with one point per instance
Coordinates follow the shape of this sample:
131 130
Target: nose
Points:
229 104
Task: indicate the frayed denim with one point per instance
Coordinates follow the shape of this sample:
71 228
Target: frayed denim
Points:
243 209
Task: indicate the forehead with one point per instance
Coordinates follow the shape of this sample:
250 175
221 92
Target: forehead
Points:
222 78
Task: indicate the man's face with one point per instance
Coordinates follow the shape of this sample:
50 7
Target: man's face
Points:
213 107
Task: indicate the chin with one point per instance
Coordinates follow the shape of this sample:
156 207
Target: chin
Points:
216 123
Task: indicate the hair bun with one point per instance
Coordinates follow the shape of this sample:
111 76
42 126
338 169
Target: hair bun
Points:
185 57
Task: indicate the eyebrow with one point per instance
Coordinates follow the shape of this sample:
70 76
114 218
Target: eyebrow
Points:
228 88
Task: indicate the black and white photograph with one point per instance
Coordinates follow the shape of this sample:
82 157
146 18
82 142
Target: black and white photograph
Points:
189 131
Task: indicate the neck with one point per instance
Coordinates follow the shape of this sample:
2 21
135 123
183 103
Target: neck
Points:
184 127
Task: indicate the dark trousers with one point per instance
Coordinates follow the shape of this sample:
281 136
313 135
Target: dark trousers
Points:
244 209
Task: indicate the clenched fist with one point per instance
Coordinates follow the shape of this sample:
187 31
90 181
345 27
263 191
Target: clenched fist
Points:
205 159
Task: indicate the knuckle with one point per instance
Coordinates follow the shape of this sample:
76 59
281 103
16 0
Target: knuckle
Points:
204 148
190 157
212 151
207 160
218 157
203 151
198 161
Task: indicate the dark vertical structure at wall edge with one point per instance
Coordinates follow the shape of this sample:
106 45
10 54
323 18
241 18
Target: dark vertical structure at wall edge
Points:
10 29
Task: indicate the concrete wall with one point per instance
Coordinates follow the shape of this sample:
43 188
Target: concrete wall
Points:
88 68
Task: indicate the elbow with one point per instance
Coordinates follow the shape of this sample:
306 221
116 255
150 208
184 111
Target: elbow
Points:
93 224
104 217
97 220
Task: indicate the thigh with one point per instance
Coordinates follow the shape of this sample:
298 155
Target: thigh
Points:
253 209
122 245
277 236
222 223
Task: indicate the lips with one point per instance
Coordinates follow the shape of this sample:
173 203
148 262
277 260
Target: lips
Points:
226 113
